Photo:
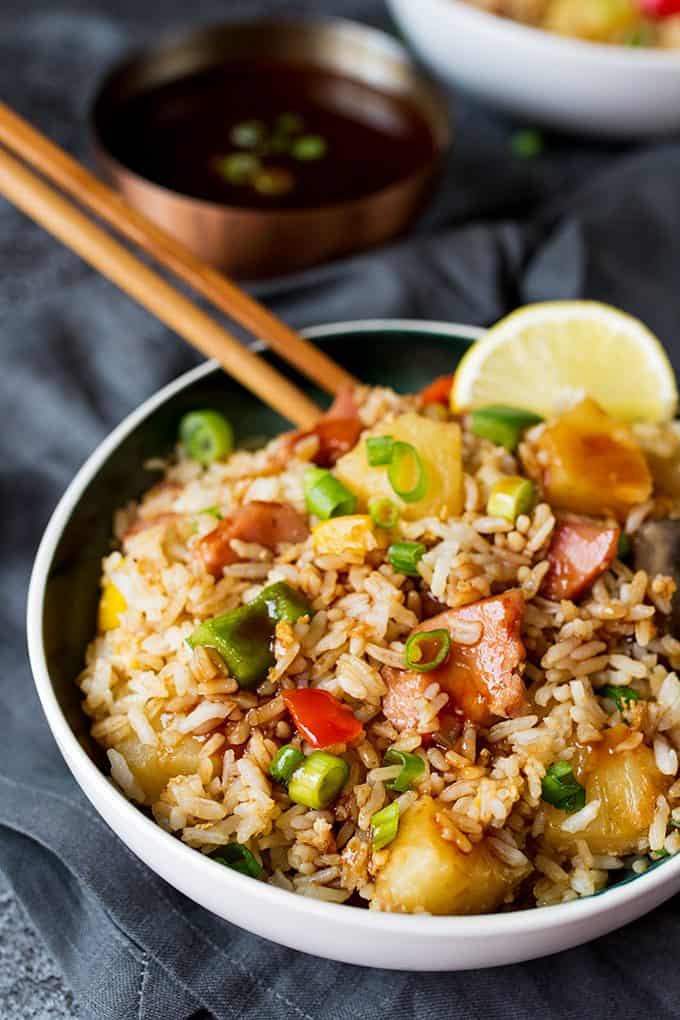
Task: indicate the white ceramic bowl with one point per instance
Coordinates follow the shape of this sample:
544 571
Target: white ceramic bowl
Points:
338 932
611 91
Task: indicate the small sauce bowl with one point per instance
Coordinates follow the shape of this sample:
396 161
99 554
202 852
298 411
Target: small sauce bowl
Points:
166 140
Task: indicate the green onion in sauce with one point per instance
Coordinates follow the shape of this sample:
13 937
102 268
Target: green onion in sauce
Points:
427 650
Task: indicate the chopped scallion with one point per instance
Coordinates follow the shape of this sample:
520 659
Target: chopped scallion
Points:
509 497
238 858
385 825
384 513
561 788
621 696
319 780
624 546
406 473
206 436
326 496
238 167
379 450
285 762
412 767
405 556
427 650
502 425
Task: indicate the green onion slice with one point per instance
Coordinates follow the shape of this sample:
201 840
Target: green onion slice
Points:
624 546
326 496
385 825
206 435
561 788
214 511
622 696
319 780
384 513
412 767
405 556
379 450
238 858
285 762
406 473
502 425
427 650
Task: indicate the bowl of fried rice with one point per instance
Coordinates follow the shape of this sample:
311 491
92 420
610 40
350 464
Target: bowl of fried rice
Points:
398 690
596 67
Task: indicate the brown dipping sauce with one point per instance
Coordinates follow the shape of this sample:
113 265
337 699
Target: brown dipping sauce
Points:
180 133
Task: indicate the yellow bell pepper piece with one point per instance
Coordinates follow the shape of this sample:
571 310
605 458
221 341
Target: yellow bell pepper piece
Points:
111 605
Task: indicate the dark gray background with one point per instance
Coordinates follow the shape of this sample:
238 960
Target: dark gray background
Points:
584 219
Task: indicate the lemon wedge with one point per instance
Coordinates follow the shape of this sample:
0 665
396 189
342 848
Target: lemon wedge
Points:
545 356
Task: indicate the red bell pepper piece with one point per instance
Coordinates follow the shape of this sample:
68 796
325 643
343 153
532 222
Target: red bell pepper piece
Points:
439 391
659 8
320 718
580 551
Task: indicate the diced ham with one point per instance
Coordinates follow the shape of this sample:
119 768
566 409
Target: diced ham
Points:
405 689
267 524
337 431
581 551
141 524
483 679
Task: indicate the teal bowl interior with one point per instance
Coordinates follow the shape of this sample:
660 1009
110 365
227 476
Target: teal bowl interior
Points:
403 358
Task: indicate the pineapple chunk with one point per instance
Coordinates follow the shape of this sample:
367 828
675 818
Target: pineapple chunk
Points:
426 872
597 20
439 448
153 767
592 464
111 605
352 536
626 784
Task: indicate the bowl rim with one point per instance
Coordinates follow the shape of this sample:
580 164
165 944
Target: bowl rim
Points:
663 60
223 880
441 134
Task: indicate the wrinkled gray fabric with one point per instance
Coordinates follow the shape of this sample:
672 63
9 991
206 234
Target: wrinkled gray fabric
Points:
583 220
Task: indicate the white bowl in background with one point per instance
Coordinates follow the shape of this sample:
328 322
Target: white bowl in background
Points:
571 84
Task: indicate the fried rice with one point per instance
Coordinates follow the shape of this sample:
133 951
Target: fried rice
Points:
194 749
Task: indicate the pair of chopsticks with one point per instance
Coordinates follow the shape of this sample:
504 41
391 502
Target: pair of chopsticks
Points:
76 230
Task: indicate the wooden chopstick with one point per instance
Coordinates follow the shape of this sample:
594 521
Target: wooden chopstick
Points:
61 218
72 177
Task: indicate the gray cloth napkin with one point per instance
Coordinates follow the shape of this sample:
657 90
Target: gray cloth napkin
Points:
581 220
